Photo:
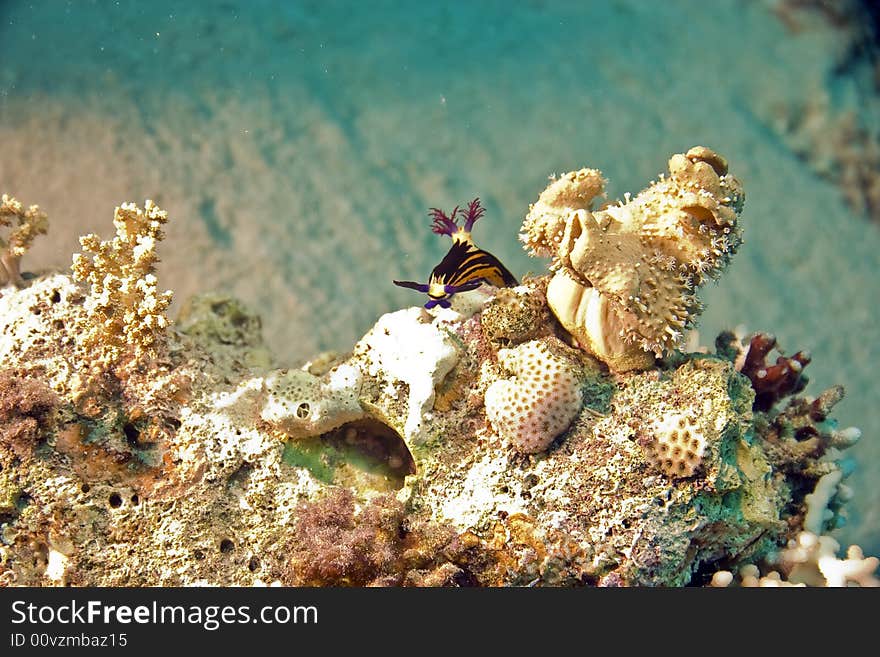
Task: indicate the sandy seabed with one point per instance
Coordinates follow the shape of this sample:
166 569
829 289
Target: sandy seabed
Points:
298 147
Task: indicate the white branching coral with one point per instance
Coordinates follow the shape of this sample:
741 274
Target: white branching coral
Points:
809 560
626 276
24 226
541 400
127 313
812 560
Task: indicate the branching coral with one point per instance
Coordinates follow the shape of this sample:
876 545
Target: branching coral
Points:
542 399
808 560
801 433
127 313
626 276
801 440
773 382
24 226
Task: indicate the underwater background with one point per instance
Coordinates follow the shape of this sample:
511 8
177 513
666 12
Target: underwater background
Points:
298 145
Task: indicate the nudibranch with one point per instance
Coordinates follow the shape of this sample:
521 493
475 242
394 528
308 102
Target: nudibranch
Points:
465 267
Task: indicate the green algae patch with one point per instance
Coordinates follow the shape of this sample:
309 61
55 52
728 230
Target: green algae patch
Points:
364 455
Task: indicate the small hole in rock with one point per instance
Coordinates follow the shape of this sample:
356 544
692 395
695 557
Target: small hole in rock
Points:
85 488
303 410
56 297
226 546
132 435
135 500
115 501
253 564
22 500
198 554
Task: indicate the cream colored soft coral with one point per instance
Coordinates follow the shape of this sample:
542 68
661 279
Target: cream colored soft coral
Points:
543 228
626 276
541 400
24 226
127 313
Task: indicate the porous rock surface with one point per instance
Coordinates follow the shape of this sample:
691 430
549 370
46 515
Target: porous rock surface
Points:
178 475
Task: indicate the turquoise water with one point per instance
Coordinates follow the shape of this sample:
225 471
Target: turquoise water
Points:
298 145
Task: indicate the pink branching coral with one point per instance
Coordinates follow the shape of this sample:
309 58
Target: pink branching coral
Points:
24 226
126 310
773 382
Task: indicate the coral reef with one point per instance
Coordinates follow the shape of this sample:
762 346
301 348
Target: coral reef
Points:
418 489
627 274
841 149
24 226
468 445
840 141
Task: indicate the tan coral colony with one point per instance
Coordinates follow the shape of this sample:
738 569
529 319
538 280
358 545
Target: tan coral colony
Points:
627 274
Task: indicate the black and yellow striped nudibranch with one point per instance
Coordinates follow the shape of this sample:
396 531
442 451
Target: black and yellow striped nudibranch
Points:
464 267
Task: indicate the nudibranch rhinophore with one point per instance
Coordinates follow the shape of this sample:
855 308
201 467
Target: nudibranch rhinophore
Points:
465 267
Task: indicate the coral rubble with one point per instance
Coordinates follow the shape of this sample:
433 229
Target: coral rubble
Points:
468 445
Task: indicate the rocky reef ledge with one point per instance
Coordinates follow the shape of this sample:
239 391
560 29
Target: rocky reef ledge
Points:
473 445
